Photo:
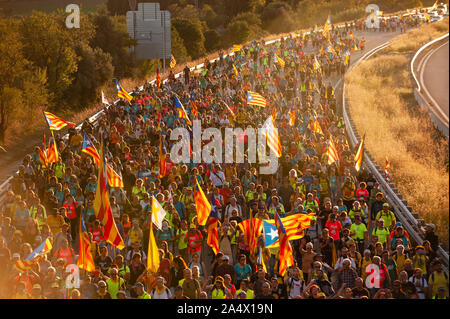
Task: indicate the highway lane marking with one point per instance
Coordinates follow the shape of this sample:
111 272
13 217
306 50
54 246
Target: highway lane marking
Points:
422 66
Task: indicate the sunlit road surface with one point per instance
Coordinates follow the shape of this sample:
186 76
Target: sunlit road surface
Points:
435 76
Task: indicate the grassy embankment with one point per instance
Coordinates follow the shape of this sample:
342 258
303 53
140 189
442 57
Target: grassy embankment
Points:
381 100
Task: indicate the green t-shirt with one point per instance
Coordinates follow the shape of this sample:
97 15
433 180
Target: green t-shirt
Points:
114 286
359 230
144 296
381 233
181 243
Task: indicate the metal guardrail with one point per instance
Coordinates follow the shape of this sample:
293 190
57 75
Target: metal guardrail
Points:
402 211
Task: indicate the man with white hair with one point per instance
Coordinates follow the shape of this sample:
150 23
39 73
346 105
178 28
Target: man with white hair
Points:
347 274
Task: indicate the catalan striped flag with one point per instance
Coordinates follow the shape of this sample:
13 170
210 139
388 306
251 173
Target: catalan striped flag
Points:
26 264
181 110
236 47
213 224
114 179
43 154
387 165
158 79
90 149
202 205
251 228
56 123
102 206
273 140
333 155
327 27
286 256
52 151
162 161
279 60
359 154
331 50
122 93
254 98
292 117
236 73
172 62
316 127
85 259
194 108
274 114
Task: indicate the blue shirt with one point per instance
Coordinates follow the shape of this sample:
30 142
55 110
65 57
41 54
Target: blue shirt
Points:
242 273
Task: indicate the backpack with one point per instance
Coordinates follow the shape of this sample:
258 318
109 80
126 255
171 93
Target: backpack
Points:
445 275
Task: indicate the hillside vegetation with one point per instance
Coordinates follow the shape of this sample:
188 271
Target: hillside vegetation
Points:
381 100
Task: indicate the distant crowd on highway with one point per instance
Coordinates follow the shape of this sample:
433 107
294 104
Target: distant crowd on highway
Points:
354 248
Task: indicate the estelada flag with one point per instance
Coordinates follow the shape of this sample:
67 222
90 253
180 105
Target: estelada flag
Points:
33 258
202 205
102 206
173 62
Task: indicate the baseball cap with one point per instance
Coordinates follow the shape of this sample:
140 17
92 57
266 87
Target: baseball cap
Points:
55 285
385 205
36 286
431 225
138 284
16 255
441 288
225 257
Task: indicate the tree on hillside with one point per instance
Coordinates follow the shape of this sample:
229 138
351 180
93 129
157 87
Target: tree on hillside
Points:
115 42
236 32
178 49
95 69
277 17
191 33
47 45
22 85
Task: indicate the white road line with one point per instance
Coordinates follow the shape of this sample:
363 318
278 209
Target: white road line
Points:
423 67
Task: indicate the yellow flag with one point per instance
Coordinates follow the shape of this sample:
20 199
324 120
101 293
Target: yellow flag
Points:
153 254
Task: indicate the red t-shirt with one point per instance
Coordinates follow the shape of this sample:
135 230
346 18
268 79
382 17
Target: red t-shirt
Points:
71 210
192 246
334 228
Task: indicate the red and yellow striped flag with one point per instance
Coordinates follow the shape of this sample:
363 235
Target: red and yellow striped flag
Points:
194 108
56 123
114 179
33 258
360 154
317 128
202 205
102 206
292 117
286 256
173 62
52 151
333 155
273 140
274 114
85 260
251 228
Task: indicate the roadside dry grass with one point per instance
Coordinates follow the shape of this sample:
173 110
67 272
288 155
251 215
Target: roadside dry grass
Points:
381 100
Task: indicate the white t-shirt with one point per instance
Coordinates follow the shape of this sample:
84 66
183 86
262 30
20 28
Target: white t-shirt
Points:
217 178
165 295
296 287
